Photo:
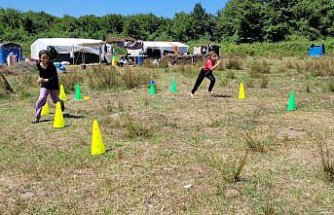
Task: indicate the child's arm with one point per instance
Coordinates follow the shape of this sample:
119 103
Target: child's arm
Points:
216 65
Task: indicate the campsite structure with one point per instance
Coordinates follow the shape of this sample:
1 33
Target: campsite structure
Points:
156 49
73 50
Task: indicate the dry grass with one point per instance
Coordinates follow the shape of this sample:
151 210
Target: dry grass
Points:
258 68
327 153
233 63
170 153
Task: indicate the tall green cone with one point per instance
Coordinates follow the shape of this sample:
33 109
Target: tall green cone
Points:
152 89
173 87
77 92
292 102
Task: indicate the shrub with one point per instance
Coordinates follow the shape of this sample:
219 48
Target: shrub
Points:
134 79
233 63
104 79
258 68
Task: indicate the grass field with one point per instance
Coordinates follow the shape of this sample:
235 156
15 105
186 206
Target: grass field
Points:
170 153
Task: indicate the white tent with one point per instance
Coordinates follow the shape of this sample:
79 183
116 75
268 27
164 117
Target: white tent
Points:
162 46
70 46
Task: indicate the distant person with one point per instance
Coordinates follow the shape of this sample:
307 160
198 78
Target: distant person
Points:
48 80
206 72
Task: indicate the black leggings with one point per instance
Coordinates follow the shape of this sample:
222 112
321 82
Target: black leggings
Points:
204 74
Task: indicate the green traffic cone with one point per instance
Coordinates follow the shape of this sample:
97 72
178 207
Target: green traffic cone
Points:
292 102
173 87
77 92
152 89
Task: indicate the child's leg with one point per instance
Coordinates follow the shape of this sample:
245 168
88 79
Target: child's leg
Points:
43 95
55 98
212 80
199 80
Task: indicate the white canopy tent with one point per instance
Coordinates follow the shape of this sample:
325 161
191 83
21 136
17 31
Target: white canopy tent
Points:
162 46
71 46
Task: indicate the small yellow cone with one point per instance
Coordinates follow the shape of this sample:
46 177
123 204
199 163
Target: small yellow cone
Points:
97 142
242 91
58 121
45 110
62 94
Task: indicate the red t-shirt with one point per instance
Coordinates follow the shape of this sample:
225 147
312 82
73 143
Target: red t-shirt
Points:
208 65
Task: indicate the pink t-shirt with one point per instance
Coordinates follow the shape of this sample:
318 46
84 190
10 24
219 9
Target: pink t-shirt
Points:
208 65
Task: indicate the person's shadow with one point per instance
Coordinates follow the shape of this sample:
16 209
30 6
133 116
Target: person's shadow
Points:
70 116
221 96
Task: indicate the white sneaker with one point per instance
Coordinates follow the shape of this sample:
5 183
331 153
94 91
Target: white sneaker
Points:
192 95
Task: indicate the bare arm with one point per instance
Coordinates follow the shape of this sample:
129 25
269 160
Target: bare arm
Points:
216 65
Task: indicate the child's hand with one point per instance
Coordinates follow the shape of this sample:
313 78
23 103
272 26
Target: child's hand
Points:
39 80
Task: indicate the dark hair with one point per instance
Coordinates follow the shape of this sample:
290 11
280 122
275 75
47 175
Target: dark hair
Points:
41 52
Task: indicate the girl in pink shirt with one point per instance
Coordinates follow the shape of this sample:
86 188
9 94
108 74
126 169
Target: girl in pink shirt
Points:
206 72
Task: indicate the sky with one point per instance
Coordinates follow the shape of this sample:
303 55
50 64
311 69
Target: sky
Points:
76 8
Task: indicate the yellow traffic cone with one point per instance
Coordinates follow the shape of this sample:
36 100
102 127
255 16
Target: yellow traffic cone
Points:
97 142
45 110
242 91
58 121
62 94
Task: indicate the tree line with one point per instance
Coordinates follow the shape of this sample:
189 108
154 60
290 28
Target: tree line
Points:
240 21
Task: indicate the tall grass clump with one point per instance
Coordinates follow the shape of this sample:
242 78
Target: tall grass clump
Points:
163 63
134 79
103 79
330 85
136 128
264 81
327 161
25 84
69 80
320 67
112 104
230 168
256 144
230 75
233 63
258 68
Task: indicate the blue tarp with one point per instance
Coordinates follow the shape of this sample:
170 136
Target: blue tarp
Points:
60 67
7 48
316 50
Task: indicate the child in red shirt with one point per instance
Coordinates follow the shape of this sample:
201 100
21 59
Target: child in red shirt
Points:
206 72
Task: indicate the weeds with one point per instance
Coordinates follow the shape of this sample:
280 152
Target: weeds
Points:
112 104
233 63
230 75
104 79
264 81
258 68
250 82
230 168
135 79
330 85
69 80
256 145
137 128
327 161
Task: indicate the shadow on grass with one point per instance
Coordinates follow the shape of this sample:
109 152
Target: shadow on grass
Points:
221 96
70 116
